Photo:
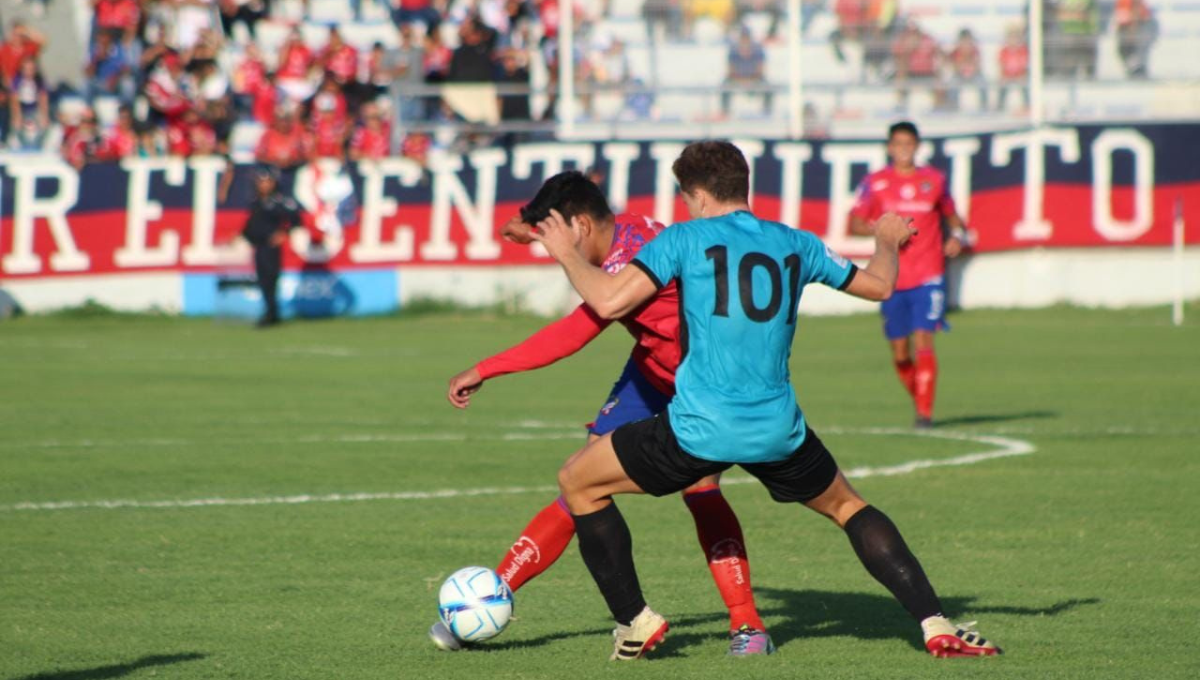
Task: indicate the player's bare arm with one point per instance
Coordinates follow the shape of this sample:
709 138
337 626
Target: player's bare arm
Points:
878 279
957 239
860 226
462 386
612 297
516 231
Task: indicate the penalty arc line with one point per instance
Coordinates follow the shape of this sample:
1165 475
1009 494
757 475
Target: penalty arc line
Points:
1007 447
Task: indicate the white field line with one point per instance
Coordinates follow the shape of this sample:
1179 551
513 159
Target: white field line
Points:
1005 448
538 430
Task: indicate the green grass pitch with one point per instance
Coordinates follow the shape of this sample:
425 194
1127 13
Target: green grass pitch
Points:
1080 558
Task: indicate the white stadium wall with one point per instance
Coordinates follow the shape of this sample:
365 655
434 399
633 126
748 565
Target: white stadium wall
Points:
1114 278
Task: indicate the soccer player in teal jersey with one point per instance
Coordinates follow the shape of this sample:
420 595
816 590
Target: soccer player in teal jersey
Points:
740 280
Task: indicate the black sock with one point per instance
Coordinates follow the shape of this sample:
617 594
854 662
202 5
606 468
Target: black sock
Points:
883 552
607 550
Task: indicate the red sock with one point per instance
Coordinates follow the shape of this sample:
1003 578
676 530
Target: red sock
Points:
721 538
540 545
925 382
907 374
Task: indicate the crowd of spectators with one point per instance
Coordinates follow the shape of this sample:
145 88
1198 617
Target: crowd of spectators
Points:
177 76
896 48
183 73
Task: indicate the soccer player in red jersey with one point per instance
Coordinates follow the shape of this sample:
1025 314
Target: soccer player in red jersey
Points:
643 390
917 308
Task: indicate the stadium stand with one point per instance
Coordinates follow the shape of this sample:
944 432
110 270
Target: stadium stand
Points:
214 73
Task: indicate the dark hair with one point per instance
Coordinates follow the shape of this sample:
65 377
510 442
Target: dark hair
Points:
570 193
903 126
718 167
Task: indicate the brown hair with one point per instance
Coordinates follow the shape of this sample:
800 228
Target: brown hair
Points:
716 166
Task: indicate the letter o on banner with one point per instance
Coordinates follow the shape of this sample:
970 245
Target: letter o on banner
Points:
1103 220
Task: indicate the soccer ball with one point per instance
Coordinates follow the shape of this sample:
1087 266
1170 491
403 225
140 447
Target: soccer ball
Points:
475 604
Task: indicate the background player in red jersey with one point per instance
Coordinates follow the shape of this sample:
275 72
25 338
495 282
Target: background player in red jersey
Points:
917 308
643 390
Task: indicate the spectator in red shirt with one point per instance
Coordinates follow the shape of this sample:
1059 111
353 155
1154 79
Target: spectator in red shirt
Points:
120 141
416 147
339 59
164 91
967 69
918 60
1014 67
294 68
80 144
329 131
247 77
202 137
191 135
285 145
118 16
23 43
372 138
265 100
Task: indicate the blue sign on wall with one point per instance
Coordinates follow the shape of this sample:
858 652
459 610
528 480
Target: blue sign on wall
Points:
309 293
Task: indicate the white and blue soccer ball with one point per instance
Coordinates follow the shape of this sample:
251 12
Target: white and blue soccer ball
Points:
475 604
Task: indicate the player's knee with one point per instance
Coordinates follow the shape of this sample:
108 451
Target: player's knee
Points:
839 502
566 480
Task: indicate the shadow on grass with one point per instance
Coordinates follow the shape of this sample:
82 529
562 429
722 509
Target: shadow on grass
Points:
984 418
811 614
867 616
116 670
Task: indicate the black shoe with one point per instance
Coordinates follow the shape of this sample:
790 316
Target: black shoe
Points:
922 423
266 322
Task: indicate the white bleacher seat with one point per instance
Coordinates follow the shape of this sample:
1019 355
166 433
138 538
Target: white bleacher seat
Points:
708 31
626 9
106 109
758 23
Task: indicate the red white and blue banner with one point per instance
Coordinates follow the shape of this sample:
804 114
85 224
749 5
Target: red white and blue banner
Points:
1061 187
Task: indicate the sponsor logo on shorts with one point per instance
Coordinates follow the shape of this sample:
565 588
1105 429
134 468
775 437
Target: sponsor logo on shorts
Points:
608 408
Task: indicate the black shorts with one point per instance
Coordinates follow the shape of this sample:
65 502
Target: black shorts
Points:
654 460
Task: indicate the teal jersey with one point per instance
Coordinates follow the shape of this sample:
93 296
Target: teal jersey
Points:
740 280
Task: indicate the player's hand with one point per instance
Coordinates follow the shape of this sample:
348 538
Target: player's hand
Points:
557 236
893 229
516 231
953 247
462 386
279 238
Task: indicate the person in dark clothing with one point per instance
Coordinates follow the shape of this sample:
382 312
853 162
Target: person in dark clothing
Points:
472 61
271 215
514 105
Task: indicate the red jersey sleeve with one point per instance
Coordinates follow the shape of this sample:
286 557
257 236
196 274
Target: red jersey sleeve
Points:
945 203
556 341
